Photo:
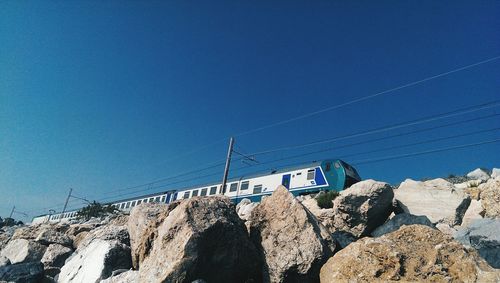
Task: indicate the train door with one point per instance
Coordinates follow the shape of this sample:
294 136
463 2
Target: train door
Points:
285 181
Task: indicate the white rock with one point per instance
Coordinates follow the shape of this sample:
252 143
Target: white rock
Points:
495 173
130 276
469 184
490 198
245 208
22 250
446 229
4 261
475 211
55 255
437 199
478 174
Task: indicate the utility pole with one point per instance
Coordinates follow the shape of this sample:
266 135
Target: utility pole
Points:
66 203
228 163
12 211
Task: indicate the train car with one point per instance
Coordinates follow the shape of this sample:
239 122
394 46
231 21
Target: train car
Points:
326 175
308 178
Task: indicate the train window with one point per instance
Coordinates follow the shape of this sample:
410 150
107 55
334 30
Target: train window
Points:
133 203
233 187
213 190
195 193
257 189
139 201
222 191
300 173
186 195
328 167
337 165
151 199
244 186
163 198
128 205
122 206
203 192
157 199
310 174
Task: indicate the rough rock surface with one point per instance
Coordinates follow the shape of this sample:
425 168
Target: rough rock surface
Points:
399 220
201 238
293 244
55 255
495 173
437 199
475 211
362 207
21 250
142 225
484 236
49 236
490 198
245 208
22 272
446 229
324 215
478 174
104 250
131 276
414 253
4 261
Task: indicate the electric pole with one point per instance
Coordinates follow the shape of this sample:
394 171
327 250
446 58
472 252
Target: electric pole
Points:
12 211
228 163
67 199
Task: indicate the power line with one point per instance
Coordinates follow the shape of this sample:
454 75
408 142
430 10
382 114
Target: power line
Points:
427 119
367 161
364 98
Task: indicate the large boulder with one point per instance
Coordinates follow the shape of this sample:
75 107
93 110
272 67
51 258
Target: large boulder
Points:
474 211
21 250
478 174
399 220
490 198
437 199
324 215
363 207
484 236
55 256
142 227
104 250
414 253
201 238
50 236
131 276
293 245
31 272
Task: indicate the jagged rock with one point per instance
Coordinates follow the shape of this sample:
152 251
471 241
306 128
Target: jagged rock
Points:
293 244
414 253
142 225
79 239
490 198
4 261
201 237
474 211
21 250
245 208
131 276
399 220
484 236
55 255
49 236
471 187
437 199
362 207
495 173
479 174
103 250
324 215
31 272
4 239
446 229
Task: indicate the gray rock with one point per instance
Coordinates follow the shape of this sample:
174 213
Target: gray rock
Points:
479 174
399 220
293 244
4 261
21 250
363 207
50 236
437 199
23 272
201 237
484 236
130 276
55 255
474 211
490 198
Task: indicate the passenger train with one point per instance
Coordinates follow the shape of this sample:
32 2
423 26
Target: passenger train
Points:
326 175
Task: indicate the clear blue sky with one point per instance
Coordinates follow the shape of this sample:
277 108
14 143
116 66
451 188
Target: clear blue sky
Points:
102 95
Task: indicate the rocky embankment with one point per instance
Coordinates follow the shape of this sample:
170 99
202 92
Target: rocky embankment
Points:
433 231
